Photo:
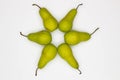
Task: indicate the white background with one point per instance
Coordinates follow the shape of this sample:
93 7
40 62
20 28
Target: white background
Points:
99 58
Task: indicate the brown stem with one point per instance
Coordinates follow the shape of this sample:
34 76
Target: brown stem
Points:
36 71
79 71
94 31
79 5
36 5
23 34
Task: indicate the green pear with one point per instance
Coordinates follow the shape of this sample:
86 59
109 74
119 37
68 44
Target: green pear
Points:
74 37
66 53
42 37
49 22
66 23
48 53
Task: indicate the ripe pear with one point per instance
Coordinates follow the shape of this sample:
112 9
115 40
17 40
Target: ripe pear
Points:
48 53
42 37
74 37
66 53
49 22
66 23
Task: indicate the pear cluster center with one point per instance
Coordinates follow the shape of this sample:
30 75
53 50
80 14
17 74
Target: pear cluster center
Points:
57 37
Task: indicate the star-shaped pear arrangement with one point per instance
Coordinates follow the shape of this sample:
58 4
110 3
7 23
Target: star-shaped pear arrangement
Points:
71 37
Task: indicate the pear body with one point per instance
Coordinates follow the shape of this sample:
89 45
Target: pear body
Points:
84 36
49 22
48 53
66 23
75 37
65 52
42 37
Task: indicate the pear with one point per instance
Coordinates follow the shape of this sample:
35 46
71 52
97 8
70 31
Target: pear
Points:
48 53
66 23
49 22
74 37
41 37
66 53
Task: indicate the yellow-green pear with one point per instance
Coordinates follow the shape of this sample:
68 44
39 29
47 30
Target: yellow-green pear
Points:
74 37
48 53
49 22
41 37
66 53
66 23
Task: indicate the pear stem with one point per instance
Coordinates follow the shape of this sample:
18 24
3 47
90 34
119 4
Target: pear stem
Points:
36 5
79 71
79 5
23 34
36 71
94 31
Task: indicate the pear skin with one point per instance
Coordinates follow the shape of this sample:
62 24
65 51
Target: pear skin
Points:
49 21
66 23
74 37
41 37
48 53
66 53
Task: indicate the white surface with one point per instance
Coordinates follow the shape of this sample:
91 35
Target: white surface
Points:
99 58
